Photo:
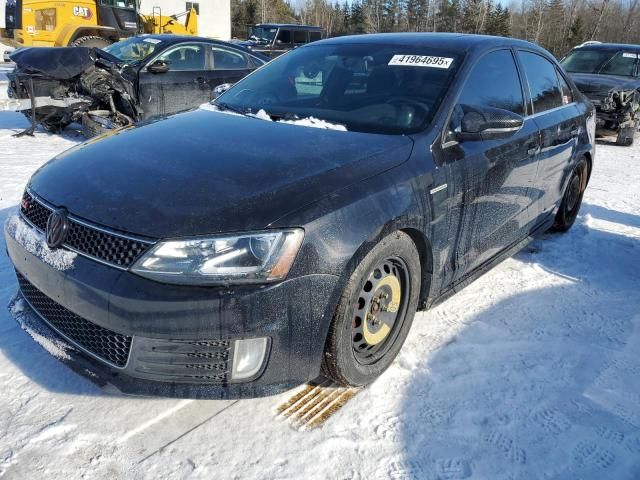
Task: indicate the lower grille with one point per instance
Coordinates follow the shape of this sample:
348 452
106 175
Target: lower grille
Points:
191 361
103 343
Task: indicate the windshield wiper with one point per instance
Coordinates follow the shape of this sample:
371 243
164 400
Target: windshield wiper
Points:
230 108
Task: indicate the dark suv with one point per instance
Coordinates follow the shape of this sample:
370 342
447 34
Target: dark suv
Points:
296 224
609 75
274 39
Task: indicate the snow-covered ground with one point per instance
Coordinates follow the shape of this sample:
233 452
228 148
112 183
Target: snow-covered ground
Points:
532 372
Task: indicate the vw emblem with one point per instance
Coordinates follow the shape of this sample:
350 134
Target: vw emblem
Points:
57 227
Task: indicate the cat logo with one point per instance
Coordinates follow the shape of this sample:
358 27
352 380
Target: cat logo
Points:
83 12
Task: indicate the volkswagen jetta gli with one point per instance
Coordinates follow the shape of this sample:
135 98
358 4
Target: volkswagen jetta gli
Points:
238 251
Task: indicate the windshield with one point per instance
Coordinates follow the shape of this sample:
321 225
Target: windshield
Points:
129 4
606 62
366 88
264 34
133 49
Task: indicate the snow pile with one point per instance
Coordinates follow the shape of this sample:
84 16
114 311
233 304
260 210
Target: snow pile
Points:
213 108
34 242
36 330
316 123
263 115
304 122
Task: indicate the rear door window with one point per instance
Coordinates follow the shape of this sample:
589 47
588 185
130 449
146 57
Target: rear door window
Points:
543 81
314 36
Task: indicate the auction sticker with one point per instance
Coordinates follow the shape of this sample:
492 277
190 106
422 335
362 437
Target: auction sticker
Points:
630 55
421 61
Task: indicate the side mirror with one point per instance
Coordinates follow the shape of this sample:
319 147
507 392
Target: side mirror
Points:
220 89
159 66
486 123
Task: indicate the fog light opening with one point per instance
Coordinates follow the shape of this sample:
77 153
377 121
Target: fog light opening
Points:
248 356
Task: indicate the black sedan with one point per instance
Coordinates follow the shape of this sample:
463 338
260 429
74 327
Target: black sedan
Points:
136 79
609 75
297 225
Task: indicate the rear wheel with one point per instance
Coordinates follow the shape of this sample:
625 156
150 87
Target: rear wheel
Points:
90 41
375 313
572 199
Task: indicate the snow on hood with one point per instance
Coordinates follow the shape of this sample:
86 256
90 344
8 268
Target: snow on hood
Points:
40 333
34 242
304 122
262 115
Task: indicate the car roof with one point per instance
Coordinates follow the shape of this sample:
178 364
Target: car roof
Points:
608 46
445 41
170 39
289 25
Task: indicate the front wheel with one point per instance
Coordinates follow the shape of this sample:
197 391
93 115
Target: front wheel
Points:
572 199
375 312
625 136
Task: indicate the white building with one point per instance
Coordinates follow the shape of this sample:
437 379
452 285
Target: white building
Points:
3 6
214 16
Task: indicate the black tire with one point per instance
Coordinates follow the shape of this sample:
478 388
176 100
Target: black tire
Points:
375 312
572 199
96 122
90 41
625 136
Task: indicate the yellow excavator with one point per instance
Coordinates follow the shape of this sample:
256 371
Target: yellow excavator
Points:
90 23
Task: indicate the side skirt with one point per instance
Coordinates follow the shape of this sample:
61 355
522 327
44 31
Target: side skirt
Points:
492 262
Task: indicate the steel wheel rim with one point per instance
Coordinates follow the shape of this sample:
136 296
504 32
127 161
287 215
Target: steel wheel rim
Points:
380 310
574 191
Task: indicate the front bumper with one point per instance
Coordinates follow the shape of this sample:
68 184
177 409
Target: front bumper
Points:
180 338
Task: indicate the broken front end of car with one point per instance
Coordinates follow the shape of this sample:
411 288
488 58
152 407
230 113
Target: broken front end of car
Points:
54 87
617 113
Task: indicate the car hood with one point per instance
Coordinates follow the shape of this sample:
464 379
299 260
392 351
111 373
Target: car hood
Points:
60 63
207 172
593 83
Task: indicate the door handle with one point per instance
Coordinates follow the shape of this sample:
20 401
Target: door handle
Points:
532 150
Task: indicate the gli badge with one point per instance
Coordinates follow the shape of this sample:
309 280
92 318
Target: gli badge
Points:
81 12
57 228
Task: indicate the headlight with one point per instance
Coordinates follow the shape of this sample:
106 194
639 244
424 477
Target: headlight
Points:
247 258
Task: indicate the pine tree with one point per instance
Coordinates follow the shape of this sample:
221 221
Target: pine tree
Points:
357 23
498 22
577 32
471 16
449 16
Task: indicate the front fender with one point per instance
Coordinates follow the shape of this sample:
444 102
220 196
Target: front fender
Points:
343 227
